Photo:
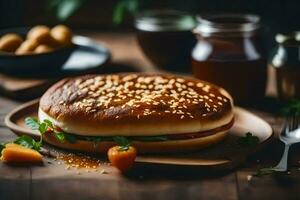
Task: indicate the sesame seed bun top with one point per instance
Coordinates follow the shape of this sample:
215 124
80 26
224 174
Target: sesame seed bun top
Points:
135 104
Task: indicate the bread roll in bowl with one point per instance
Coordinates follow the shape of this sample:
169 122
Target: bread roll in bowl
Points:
10 42
62 34
187 113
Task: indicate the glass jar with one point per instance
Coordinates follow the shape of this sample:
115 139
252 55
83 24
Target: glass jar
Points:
229 54
286 62
166 39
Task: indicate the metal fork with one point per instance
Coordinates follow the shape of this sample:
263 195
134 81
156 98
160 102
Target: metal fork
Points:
289 135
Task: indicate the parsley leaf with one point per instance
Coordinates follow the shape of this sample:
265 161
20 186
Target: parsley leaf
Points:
123 142
264 171
43 128
248 140
28 142
49 123
32 123
60 136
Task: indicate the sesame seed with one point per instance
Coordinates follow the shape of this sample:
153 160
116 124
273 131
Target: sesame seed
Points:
141 94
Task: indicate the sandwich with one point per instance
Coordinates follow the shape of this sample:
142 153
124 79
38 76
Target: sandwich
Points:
155 112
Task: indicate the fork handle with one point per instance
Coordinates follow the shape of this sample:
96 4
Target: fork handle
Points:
282 165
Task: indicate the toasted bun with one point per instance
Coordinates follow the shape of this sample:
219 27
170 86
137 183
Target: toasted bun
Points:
197 112
135 105
143 147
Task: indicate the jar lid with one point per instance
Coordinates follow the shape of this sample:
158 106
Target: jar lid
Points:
164 20
227 23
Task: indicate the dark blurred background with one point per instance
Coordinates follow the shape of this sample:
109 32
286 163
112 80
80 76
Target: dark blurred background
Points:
277 15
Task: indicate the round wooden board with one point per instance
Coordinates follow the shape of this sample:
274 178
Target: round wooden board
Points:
225 155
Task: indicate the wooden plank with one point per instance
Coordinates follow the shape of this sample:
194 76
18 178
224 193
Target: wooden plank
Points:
23 88
6 135
73 189
81 187
14 180
276 186
55 181
188 187
5 107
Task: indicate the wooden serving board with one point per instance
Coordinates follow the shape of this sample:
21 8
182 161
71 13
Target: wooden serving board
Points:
226 154
23 88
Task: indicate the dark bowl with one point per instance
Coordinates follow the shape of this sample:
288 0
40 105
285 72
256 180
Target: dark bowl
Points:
33 63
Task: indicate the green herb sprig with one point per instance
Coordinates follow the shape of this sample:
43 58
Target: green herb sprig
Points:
43 127
28 142
123 142
264 171
34 124
25 141
292 108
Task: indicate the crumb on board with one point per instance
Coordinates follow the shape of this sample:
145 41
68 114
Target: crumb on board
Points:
249 177
81 161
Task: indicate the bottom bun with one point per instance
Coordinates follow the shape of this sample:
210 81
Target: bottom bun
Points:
142 147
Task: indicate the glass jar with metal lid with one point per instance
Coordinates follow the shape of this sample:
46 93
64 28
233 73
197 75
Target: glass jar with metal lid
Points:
229 54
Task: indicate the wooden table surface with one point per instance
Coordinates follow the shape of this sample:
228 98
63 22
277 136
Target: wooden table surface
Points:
54 181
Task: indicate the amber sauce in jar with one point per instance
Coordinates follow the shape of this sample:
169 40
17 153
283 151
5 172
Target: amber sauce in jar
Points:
229 54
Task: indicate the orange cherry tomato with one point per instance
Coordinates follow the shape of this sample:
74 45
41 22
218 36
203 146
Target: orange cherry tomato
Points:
121 158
